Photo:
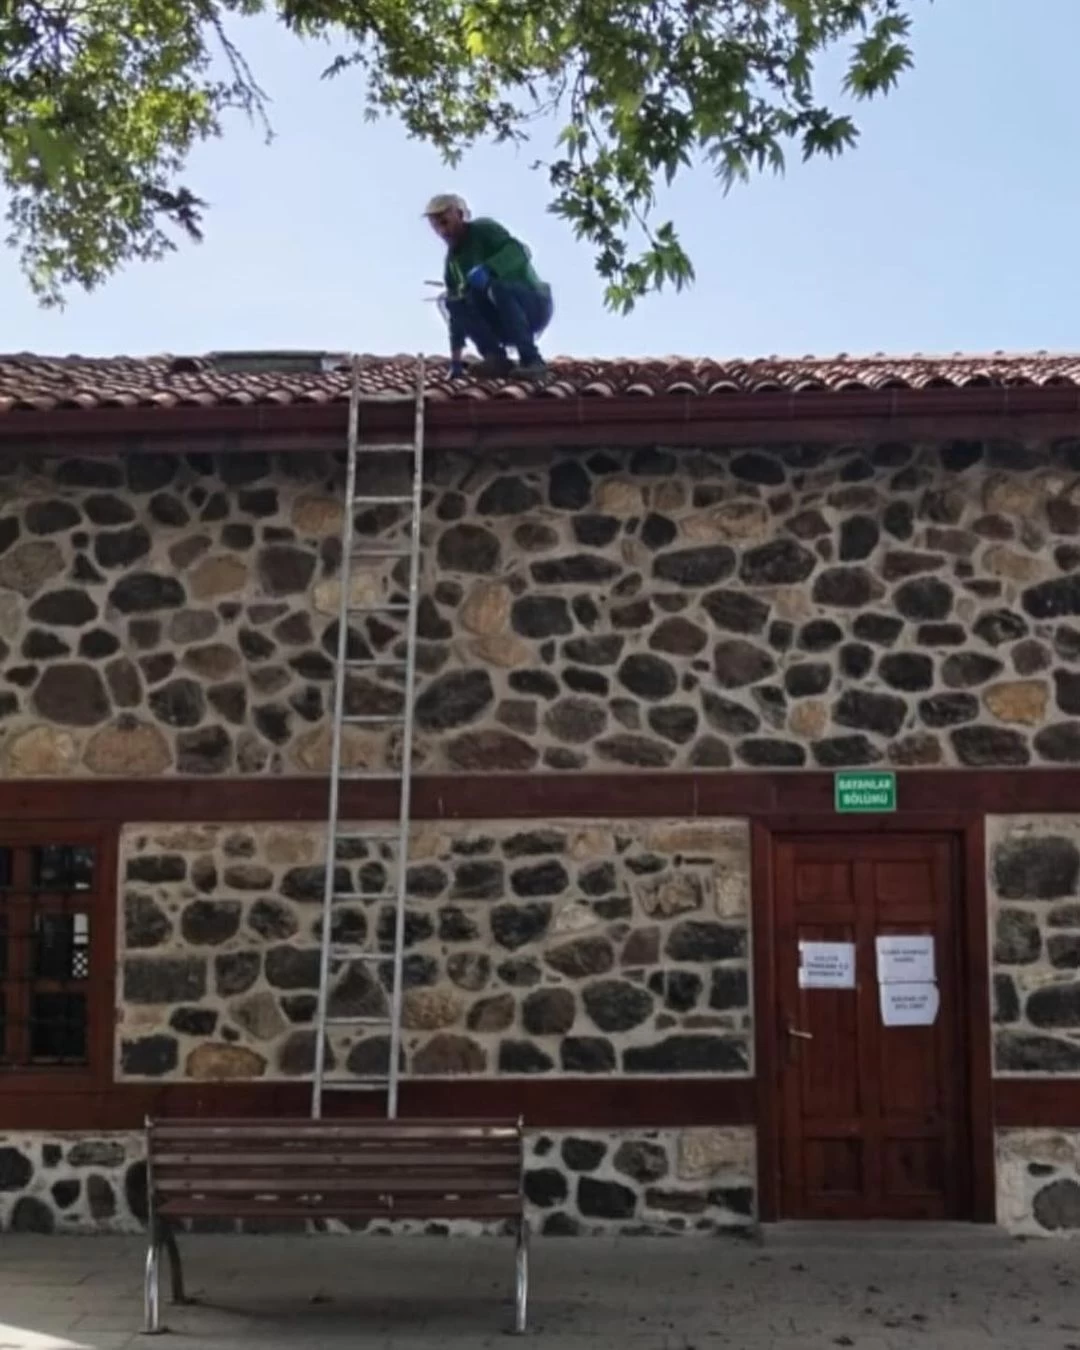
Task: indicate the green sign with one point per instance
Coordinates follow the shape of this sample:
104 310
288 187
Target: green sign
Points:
864 792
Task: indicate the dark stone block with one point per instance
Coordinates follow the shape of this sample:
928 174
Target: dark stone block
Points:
605 1199
236 972
946 710
766 753
984 747
168 979
899 519
733 719
194 1021
149 1056
1006 1000
999 626
819 635
641 1160
703 566
545 1186
737 663
478 880
454 699
31 1215
924 598
702 941
1060 744
576 720
657 531
180 703
1063 949
145 923
581 957
1023 1052
601 650
66 608
677 725
16 1169
210 922
1016 940
51 517
1057 1206
880 629
541 616
1045 868
648 676
859 537
780 562
468 548
844 588
523 1057
145 592
807 678
586 1054
1055 1005
865 711
635 751
40 645
837 752
546 878
548 1012
207 750
65 1193
514 926
856 660
736 611
685 1053
754 467
900 563
578 569
72 695
909 671
569 486
729 988
616 1005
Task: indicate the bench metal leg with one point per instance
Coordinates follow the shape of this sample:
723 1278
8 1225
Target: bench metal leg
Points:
152 1285
176 1270
521 1274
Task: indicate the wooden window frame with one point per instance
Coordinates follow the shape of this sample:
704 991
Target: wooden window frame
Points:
97 1072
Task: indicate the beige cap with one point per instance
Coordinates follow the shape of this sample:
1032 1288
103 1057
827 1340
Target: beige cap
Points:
446 201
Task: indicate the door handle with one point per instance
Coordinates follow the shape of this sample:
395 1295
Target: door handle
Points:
800 1035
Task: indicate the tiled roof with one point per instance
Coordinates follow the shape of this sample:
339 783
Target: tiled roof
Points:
35 383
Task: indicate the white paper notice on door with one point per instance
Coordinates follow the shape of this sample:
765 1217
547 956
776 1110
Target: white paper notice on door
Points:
907 959
909 1005
826 965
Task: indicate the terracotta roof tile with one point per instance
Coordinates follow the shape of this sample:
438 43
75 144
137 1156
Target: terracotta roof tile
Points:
35 383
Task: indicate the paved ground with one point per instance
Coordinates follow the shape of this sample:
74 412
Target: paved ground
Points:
802 1293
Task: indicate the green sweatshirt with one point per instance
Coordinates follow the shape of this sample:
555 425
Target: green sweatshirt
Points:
487 242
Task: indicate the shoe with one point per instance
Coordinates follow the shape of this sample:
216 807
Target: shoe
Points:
536 369
493 368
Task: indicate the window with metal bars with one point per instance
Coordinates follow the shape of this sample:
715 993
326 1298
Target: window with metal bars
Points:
47 902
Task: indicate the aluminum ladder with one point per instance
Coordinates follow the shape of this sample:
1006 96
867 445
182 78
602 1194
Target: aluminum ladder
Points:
337 955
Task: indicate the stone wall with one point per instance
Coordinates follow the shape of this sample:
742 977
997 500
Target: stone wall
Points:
645 1181
1038 1182
1033 869
607 947
914 605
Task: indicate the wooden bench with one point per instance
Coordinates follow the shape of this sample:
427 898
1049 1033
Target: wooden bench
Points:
329 1169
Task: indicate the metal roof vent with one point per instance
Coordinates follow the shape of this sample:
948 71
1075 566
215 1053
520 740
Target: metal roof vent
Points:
276 363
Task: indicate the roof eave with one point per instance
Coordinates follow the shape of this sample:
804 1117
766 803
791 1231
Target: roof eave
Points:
672 419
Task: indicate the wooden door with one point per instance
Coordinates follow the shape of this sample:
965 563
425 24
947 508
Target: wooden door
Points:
871 1116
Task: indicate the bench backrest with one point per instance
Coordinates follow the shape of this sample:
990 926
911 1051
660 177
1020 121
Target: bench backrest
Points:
411 1168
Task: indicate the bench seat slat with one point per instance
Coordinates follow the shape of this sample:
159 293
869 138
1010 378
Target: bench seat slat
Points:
247 1209
383 1182
169 1158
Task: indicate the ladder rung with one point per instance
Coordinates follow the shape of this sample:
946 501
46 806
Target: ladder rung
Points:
356 552
345 953
358 1021
396 500
373 719
371 836
387 447
386 607
370 663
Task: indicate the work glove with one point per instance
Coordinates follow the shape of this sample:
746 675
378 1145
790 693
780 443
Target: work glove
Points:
479 277
457 369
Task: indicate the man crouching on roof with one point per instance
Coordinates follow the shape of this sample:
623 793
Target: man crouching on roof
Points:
494 297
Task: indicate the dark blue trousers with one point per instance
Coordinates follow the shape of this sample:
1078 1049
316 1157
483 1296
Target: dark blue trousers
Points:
507 314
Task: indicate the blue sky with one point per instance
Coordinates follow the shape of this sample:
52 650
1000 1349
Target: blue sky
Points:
953 226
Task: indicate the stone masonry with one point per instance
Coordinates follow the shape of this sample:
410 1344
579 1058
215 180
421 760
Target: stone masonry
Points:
1038 1182
605 947
1034 885
689 1181
909 605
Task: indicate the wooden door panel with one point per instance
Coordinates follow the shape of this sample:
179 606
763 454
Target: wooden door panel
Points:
869 1114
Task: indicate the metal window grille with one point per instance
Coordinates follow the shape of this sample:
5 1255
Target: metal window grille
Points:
45 930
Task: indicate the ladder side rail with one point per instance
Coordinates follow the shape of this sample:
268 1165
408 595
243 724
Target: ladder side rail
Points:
335 747
405 800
